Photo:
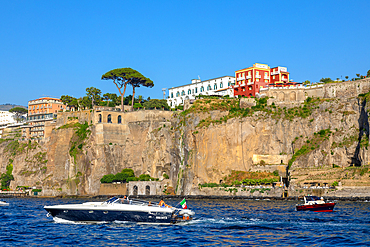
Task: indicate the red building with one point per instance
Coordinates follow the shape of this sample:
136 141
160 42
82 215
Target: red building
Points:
249 81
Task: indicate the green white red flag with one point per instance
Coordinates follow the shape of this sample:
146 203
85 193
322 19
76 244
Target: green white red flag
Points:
183 204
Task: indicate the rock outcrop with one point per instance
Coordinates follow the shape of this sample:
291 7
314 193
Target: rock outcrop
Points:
324 141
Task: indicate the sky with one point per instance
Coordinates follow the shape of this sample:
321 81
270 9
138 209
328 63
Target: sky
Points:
54 48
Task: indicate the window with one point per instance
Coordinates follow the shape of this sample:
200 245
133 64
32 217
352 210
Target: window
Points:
209 87
196 90
109 118
221 85
177 94
119 119
215 87
189 91
171 95
202 89
229 83
182 93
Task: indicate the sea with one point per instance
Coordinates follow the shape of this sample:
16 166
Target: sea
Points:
217 223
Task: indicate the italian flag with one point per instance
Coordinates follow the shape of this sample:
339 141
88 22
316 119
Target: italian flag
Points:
183 204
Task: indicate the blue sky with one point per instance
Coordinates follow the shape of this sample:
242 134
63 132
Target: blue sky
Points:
62 47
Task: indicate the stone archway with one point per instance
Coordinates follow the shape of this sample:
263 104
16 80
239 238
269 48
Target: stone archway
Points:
281 96
147 190
134 190
293 96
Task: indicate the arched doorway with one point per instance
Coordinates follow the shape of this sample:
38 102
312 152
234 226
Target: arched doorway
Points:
134 190
99 118
109 118
147 190
119 119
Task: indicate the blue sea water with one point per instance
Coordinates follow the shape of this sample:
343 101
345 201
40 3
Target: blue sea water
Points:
218 223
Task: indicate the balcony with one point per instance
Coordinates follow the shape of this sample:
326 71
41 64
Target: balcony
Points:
250 83
240 78
266 78
258 76
275 73
284 79
249 77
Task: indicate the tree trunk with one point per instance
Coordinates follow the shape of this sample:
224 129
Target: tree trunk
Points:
133 98
124 90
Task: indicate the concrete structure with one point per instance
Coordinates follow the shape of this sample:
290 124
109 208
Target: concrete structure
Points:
218 86
6 118
144 188
113 189
41 112
250 80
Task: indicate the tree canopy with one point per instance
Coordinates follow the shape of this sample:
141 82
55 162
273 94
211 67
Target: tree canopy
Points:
18 111
94 94
156 103
326 80
69 101
123 76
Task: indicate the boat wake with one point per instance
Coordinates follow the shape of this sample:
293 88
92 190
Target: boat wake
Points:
63 221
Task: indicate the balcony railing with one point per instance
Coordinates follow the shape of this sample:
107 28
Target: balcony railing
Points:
250 83
248 77
241 78
266 78
275 73
284 79
258 76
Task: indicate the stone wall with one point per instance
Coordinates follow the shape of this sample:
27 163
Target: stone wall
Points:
113 189
145 188
289 95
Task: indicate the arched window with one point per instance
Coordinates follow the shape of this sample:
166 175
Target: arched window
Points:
109 118
147 190
215 87
196 90
189 91
209 87
99 118
177 94
119 119
182 93
171 95
134 190
221 85
202 89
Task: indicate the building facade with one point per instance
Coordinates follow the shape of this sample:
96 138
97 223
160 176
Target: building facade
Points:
218 86
41 112
6 118
250 80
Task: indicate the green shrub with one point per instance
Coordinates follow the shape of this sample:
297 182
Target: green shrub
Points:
165 176
107 178
335 183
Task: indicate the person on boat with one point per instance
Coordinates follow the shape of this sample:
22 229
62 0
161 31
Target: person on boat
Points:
161 203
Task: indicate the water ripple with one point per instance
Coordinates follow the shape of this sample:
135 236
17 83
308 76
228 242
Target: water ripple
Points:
217 223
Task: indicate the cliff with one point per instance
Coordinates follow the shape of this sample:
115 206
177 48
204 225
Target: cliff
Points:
318 141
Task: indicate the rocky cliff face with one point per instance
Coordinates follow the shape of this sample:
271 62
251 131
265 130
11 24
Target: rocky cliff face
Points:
324 141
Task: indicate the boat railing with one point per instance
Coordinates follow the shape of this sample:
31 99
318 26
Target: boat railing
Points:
137 202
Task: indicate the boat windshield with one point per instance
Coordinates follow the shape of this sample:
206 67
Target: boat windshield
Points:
111 200
313 198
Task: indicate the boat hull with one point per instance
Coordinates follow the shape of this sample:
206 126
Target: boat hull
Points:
326 207
97 215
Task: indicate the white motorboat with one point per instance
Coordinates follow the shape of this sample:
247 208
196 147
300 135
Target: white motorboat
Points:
121 209
4 203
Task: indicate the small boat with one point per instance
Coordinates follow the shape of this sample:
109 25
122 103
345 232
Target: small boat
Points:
316 204
4 203
121 209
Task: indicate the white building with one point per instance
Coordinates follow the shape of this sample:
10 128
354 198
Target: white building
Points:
217 86
7 118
